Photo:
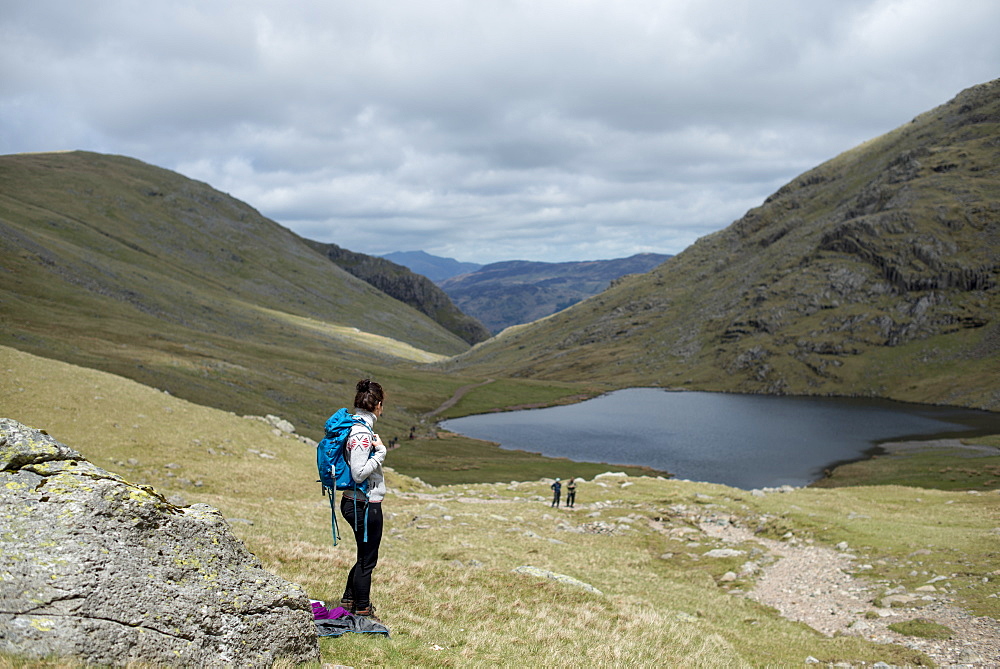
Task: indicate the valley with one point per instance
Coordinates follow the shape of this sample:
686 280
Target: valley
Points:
155 322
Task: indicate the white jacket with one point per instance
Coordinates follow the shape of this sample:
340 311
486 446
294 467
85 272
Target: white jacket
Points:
360 444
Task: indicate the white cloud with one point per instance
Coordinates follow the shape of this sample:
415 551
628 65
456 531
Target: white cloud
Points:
488 130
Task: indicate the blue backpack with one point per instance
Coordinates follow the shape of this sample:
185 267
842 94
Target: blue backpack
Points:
332 465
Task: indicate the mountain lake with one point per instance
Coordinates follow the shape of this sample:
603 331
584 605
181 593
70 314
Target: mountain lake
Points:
744 441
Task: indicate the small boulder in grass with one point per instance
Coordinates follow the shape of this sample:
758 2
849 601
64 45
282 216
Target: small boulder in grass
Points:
559 578
107 572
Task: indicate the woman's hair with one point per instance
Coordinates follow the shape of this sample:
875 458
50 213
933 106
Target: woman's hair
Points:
369 395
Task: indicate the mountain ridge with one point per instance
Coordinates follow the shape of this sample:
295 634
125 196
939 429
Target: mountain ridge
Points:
874 273
513 292
408 287
435 268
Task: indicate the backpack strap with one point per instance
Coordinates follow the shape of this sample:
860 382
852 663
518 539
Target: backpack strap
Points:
334 528
354 499
371 454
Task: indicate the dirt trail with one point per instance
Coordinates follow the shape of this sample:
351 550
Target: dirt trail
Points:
453 400
811 584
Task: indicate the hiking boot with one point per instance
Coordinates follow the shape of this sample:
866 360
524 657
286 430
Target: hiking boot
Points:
347 603
368 612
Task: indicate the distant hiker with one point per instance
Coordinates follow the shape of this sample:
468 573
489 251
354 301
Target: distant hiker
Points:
365 453
413 431
571 493
556 490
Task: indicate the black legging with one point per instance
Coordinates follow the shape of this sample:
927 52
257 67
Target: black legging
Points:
359 580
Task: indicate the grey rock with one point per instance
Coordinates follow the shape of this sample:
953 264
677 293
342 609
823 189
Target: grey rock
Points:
724 553
552 576
280 423
107 572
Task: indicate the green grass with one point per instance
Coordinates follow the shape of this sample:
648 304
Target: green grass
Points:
925 629
445 584
944 469
452 459
507 394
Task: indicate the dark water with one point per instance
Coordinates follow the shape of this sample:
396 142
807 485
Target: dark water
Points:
745 441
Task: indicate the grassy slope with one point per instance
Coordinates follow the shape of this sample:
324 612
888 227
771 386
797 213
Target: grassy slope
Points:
445 584
128 268
874 274
406 286
175 249
926 466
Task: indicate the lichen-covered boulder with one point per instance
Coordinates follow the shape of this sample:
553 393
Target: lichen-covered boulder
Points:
99 569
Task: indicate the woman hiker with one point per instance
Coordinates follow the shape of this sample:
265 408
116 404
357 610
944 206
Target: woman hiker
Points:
365 454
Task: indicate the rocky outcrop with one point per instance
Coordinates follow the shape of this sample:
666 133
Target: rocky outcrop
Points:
107 572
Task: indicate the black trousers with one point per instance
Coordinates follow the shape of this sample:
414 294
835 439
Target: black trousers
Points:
359 579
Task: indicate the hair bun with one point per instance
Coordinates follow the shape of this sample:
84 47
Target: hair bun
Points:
369 395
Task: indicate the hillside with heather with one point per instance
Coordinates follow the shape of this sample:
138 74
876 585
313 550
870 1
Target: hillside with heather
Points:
875 274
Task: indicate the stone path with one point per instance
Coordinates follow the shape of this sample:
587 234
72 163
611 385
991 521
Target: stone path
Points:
811 584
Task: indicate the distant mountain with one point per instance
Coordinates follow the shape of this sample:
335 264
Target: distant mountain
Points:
435 268
875 274
413 289
110 263
514 292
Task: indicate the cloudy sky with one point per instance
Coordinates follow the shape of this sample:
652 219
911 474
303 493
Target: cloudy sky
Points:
486 130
